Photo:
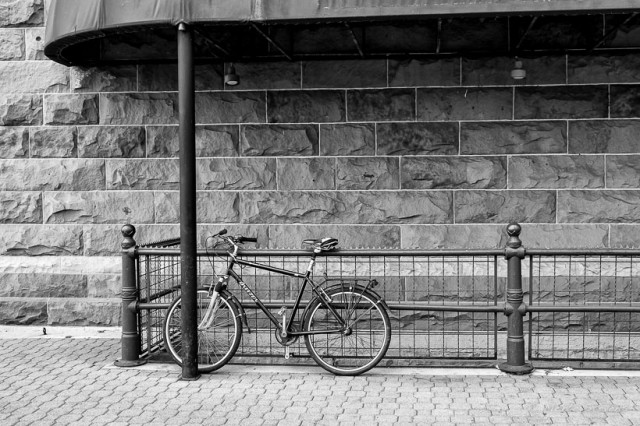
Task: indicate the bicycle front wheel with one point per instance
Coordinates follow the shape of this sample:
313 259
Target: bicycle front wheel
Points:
217 343
358 347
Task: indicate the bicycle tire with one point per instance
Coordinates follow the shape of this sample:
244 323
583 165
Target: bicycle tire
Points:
364 347
218 343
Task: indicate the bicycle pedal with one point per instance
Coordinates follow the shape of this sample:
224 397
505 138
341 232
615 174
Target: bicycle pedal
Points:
286 352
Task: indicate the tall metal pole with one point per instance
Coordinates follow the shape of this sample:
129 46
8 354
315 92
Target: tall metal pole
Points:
188 221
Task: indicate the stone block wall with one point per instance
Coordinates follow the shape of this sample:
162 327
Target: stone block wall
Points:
416 153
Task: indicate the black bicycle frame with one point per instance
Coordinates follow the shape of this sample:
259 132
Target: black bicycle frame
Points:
296 306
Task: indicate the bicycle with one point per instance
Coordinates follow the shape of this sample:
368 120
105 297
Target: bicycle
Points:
345 325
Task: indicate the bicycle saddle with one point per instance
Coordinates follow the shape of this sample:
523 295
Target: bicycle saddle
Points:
323 244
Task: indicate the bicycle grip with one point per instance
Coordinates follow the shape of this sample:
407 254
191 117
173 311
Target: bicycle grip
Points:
224 231
249 240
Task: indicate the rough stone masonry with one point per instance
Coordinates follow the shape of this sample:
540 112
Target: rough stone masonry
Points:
379 153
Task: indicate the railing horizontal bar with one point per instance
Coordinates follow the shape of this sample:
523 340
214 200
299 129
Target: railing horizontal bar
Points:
399 307
583 252
598 308
337 253
445 308
392 306
439 308
151 251
152 306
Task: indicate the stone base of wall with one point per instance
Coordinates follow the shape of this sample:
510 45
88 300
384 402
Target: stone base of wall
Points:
60 311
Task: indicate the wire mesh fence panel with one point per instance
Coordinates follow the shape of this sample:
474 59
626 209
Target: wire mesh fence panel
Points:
456 287
159 283
447 282
581 306
589 294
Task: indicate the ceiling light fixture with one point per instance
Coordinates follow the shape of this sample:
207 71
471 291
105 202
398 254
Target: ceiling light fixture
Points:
230 77
518 73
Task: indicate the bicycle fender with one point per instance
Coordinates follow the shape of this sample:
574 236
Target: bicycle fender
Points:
361 289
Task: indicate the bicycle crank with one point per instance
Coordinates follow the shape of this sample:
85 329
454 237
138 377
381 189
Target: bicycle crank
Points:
289 340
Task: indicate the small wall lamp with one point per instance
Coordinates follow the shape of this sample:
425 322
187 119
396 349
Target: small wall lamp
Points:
230 77
518 73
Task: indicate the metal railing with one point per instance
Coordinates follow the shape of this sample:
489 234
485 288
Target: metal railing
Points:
584 306
459 307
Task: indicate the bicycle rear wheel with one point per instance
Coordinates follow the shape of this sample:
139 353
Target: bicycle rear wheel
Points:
358 348
217 343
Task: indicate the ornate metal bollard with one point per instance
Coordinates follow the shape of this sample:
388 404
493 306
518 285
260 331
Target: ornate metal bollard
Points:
515 308
130 337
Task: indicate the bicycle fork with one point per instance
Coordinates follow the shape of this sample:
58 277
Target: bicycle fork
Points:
210 314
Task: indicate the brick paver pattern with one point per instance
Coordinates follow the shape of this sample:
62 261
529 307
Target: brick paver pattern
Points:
71 381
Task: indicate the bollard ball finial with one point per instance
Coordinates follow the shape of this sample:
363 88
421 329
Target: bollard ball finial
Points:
128 231
513 230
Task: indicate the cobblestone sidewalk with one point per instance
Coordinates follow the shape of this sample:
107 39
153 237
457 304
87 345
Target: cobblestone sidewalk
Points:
73 381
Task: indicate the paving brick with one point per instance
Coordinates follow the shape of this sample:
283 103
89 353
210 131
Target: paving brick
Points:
494 395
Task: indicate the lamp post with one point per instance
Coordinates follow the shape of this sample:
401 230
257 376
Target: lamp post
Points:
188 218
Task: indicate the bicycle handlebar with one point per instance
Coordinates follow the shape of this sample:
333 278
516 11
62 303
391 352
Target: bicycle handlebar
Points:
239 239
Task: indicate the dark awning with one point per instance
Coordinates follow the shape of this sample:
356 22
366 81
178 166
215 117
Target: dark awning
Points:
99 31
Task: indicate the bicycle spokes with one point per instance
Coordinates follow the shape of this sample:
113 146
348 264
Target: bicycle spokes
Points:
360 344
219 330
